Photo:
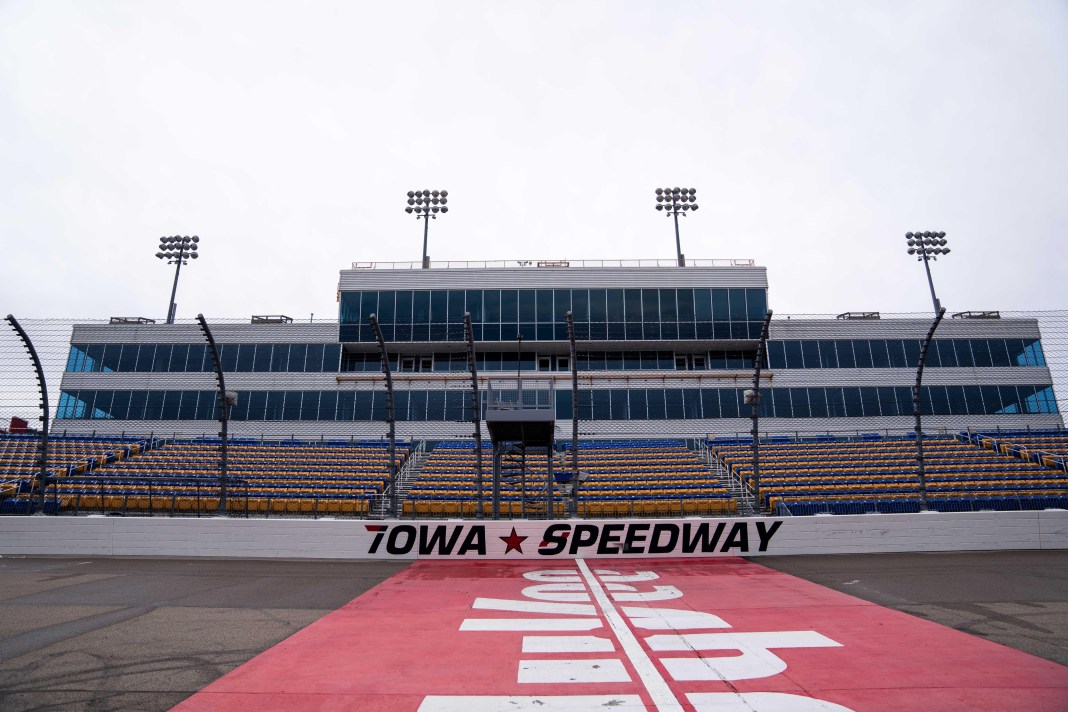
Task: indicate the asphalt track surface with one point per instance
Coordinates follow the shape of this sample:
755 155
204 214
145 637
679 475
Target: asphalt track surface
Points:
121 634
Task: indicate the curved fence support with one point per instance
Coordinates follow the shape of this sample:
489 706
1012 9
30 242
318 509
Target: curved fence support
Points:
916 395
226 402
390 417
573 506
476 408
752 398
42 444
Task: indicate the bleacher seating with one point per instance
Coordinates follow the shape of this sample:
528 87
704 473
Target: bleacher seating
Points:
622 478
67 455
290 477
876 474
1046 447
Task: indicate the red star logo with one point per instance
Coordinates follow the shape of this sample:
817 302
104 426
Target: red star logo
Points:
513 541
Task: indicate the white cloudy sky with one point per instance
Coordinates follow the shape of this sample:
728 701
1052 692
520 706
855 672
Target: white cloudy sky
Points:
286 134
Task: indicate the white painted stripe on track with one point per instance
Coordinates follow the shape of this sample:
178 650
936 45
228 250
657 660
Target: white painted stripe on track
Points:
541 703
566 644
523 624
663 698
590 670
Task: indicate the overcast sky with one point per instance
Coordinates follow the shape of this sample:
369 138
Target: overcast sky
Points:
285 135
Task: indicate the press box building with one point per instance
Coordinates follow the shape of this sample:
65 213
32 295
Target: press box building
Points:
663 351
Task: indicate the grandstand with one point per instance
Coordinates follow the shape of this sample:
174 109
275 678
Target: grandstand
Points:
664 354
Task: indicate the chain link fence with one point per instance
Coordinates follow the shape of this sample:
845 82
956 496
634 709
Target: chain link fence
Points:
52 338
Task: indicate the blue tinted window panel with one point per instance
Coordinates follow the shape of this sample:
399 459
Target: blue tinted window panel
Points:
76 359
817 401
327 407
638 404
846 358
673 404
737 310
544 306
561 304
331 357
794 358
580 304
720 305
439 307
685 299
710 403
655 404
888 405
981 353
435 405
509 306
527 306
912 352
421 306
776 354
598 306
154 405
756 304
620 406
810 354
852 401
162 361
473 305
799 403
615 306
457 300
404 306
965 359
457 406
958 402
145 355
730 403
999 353
862 353
896 349
669 308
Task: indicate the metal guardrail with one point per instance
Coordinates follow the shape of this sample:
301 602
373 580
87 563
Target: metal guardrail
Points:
554 264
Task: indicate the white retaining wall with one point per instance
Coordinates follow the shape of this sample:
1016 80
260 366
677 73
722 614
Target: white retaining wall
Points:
361 539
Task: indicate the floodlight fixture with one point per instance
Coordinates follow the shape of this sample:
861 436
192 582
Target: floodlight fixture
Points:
927 246
177 250
674 202
426 205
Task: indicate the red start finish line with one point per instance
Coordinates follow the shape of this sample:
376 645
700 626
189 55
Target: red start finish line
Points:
716 635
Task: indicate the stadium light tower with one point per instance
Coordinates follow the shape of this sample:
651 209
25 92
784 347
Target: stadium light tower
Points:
177 250
426 204
927 246
677 201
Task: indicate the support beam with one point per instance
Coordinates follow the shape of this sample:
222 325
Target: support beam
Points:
42 386
916 395
390 417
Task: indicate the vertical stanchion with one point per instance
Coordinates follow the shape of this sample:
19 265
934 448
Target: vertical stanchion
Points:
752 398
226 402
916 395
573 503
476 408
42 443
390 417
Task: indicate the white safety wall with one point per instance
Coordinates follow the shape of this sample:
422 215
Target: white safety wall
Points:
539 540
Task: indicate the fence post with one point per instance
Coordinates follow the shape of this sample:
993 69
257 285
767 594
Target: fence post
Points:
916 395
42 444
226 401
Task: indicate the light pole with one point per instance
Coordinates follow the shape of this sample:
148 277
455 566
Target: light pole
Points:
677 201
426 204
927 246
176 250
